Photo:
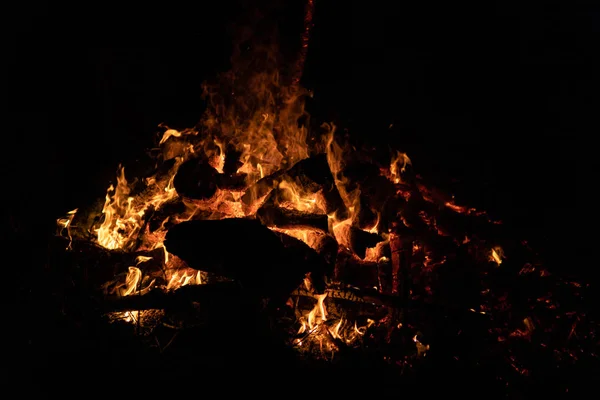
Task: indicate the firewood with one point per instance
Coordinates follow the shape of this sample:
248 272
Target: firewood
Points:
212 294
95 265
207 295
316 169
353 271
327 247
401 246
261 188
301 251
167 211
240 249
272 215
196 179
385 275
233 182
365 217
361 240
232 160
368 295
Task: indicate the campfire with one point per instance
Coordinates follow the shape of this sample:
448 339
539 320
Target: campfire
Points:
346 250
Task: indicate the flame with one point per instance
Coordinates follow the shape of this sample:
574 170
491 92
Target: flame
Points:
398 166
496 255
123 213
65 223
294 197
179 279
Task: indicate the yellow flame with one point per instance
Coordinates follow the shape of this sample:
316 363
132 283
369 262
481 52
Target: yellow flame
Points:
496 255
398 166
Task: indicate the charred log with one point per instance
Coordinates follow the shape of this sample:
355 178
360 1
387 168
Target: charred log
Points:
317 170
368 295
261 188
232 161
301 251
355 272
231 293
327 247
166 212
365 218
206 295
94 265
361 240
271 215
401 246
233 182
241 249
196 179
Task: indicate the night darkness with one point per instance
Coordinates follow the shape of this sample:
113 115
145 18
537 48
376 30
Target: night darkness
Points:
497 99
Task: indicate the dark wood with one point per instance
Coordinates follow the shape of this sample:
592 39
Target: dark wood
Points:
96 265
244 250
271 215
261 188
232 292
232 160
353 271
196 179
166 212
401 246
361 240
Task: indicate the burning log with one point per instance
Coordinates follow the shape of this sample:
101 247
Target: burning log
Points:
231 293
232 161
95 265
261 188
196 179
301 251
165 213
365 217
270 214
351 270
367 295
401 246
327 247
360 240
244 250
312 173
317 170
210 294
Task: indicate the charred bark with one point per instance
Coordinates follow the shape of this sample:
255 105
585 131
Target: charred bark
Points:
232 161
165 213
401 246
271 215
94 265
355 272
327 247
261 188
232 293
233 182
244 250
360 241
196 179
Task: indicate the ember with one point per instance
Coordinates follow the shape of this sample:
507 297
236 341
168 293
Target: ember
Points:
347 254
